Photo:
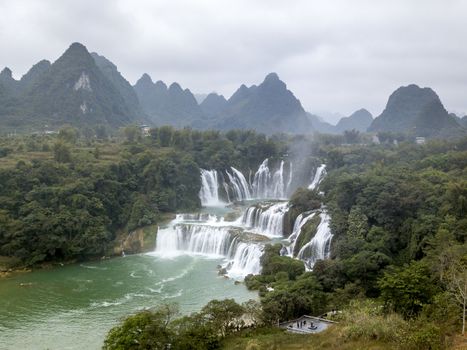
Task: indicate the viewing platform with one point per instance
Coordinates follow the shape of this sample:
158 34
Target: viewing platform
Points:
306 325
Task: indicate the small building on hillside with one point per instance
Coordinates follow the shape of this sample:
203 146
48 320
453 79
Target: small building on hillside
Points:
420 140
145 130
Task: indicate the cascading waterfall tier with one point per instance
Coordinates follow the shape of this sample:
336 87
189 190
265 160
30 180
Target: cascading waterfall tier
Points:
272 185
209 192
198 217
211 238
239 185
231 185
300 221
244 260
195 239
319 175
319 247
235 242
268 221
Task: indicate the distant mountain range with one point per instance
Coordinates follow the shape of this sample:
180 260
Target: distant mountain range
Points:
167 105
86 89
77 89
268 107
359 120
417 111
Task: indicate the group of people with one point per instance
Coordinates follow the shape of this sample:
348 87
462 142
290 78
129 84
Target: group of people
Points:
302 324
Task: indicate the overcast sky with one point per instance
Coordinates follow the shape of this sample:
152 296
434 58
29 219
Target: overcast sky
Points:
334 55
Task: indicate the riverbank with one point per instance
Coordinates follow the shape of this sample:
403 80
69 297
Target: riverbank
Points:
140 240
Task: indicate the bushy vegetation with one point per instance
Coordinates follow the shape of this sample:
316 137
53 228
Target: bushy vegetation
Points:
204 330
398 215
65 196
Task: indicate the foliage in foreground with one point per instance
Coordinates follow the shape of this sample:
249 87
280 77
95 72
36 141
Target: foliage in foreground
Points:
158 329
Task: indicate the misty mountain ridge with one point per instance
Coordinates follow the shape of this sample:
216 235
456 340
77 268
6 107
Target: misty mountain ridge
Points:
416 111
72 90
167 105
84 89
213 105
360 120
269 107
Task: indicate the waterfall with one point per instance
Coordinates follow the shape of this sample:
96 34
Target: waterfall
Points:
271 185
240 186
260 180
264 184
198 217
268 222
209 192
319 175
193 239
289 182
300 221
320 245
209 236
245 260
278 182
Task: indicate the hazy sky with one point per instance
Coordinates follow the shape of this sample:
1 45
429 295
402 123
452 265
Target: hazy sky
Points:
334 55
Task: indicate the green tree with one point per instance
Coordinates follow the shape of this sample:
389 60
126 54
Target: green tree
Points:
165 135
62 153
407 289
68 134
225 315
132 133
357 223
457 287
147 329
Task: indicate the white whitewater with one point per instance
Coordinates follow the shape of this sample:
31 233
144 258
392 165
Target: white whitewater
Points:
193 239
198 217
260 180
240 186
244 260
210 237
265 184
209 192
320 245
300 221
319 175
271 185
268 222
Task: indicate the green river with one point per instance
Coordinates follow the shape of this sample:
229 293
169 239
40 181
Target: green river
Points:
74 306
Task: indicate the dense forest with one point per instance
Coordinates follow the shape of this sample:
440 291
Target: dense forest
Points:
63 197
397 273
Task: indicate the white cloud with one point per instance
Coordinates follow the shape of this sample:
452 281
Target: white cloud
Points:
334 55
